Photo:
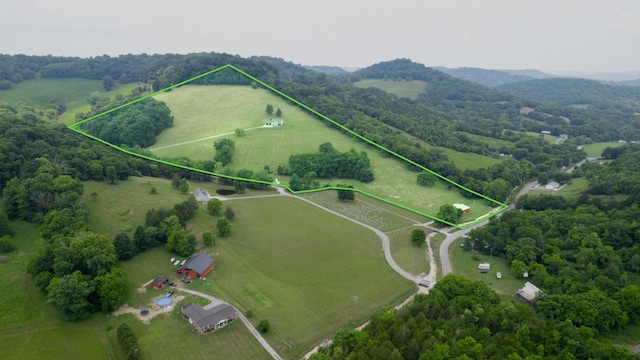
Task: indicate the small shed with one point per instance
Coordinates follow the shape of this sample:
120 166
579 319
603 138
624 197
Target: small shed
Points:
529 293
464 208
202 196
197 266
484 267
159 282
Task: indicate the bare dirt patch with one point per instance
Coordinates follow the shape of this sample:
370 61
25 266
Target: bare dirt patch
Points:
154 310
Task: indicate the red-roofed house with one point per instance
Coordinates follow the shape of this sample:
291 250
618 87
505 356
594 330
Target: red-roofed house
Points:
197 266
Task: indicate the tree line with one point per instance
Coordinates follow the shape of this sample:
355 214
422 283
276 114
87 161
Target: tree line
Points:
464 319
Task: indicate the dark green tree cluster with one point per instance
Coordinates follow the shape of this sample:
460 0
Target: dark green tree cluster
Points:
583 253
33 195
78 274
618 177
134 125
167 226
426 178
26 137
464 319
418 236
128 342
346 195
449 213
6 233
329 162
225 149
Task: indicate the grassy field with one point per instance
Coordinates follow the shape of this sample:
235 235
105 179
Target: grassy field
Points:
595 150
370 211
410 89
548 138
80 105
29 328
410 257
123 206
464 263
300 267
285 260
233 342
488 140
40 92
202 112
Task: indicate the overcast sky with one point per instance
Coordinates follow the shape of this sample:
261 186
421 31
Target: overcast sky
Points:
549 35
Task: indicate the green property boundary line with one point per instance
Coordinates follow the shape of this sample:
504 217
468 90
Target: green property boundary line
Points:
502 207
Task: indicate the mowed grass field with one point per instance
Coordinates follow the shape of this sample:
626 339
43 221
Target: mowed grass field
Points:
71 92
286 260
595 149
464 263
409 89
172 332
408 256
203 112
299 267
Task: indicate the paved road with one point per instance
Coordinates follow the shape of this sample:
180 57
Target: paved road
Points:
444 248
383 237
247 323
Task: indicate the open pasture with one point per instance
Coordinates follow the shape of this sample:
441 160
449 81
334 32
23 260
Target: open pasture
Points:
204 112
466 263
409 89
300 267
287 261
595 149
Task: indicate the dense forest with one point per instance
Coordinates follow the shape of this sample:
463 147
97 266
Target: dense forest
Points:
464 319
582 252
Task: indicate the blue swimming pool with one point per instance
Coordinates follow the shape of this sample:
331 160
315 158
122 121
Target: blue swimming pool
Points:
164 301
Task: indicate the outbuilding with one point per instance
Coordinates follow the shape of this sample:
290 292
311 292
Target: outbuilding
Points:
159 282
197 266
529 293
462 207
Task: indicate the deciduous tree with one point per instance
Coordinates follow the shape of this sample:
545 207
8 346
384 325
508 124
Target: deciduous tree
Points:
418 236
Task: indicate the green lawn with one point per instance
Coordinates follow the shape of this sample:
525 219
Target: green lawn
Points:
205 111
408 256
463 263
370 211
300 267
410 89
595 150
549 138
285 260
71 92
29 328
233 342
39 92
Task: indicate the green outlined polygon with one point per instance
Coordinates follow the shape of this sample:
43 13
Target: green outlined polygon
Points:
501 206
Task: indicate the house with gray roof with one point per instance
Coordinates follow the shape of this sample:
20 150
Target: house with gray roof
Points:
206 320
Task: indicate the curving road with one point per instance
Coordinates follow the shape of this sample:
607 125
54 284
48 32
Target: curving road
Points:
247 323
450 238
383 237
